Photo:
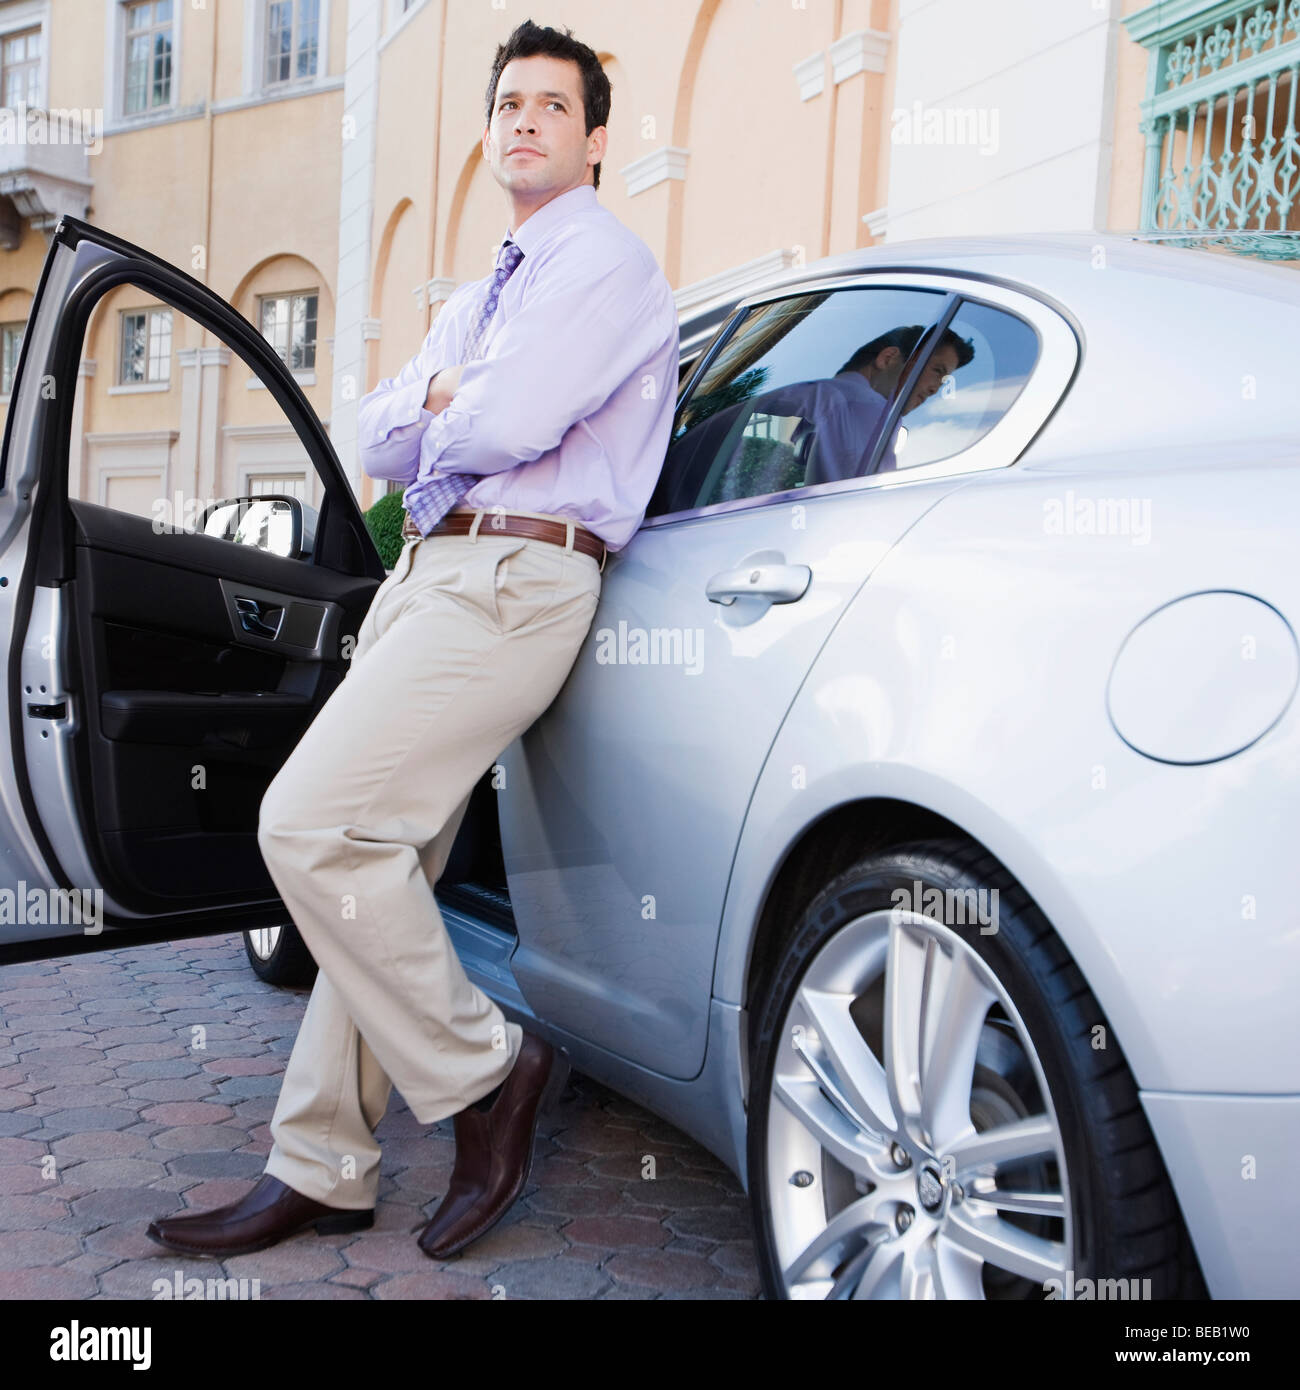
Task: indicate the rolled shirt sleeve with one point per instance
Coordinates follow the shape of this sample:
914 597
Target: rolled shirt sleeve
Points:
579 333
392 419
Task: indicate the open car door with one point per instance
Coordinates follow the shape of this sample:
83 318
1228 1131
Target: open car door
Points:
158 677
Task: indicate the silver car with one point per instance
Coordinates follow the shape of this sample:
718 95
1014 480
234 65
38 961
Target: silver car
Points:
913 828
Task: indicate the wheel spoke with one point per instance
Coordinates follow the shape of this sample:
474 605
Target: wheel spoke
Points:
949 1067
871 1257
828 1125
880 1275
1027 1203
854 1075
1010 1143
851 1226
1000 1243
906 977
957 1273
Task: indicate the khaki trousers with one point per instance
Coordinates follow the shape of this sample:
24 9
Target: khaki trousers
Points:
466 643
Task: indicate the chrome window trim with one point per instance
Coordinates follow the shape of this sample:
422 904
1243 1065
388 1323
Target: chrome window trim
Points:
1003 445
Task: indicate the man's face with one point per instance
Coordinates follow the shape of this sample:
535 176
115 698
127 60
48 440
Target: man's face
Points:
942 363
537 141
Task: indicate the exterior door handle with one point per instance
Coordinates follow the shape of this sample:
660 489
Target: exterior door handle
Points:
777 583
260 621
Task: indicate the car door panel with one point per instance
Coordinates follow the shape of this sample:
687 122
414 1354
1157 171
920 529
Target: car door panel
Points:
624 804
158 677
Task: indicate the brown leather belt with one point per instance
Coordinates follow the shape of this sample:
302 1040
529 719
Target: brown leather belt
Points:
458 523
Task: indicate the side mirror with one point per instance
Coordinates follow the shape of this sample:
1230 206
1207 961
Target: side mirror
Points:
274 524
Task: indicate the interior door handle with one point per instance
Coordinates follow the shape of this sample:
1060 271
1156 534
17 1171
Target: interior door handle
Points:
775 583
261 620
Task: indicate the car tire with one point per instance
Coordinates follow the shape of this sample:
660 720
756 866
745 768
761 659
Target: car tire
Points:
280 956
849 1203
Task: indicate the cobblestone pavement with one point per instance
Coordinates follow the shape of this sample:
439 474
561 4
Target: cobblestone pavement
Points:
110 1117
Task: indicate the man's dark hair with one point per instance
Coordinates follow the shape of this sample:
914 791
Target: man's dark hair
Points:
530 39
905 339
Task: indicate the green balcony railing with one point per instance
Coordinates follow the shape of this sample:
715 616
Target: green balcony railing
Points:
1220 120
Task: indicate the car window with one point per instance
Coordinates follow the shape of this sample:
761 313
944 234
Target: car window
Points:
796 396
800 392
976 377
160 405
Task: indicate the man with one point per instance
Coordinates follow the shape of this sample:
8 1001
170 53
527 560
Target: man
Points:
841 413
529 431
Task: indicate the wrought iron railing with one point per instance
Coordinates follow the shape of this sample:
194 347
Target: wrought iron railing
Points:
1220 119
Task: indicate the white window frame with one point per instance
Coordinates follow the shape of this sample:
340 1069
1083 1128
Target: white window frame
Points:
149 108
149 383
21 325
254 55
291 295
34 14
115 113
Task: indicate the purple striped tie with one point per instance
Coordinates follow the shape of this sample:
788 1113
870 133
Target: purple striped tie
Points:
429 502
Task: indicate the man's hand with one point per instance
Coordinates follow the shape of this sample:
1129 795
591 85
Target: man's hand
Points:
442 387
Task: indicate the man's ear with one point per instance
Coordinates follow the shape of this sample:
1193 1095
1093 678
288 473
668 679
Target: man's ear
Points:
486 131
597 142
887 357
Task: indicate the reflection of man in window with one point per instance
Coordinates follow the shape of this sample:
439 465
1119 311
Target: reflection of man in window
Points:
842 413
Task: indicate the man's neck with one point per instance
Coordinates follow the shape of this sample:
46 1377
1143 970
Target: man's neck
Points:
522 209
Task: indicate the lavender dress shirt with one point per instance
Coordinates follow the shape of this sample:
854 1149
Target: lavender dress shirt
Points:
569 410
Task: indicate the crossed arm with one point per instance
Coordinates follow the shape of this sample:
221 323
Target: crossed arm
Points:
581 330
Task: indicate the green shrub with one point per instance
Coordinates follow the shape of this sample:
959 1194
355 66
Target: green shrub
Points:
384 522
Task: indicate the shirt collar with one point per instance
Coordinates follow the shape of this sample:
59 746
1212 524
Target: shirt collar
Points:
538 224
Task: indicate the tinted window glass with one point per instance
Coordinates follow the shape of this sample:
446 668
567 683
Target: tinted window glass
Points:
796 397
973 377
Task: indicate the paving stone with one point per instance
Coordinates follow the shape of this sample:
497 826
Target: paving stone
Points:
722 1222
432 1284
243 1066
617 1231
241 1087
549 1279
18 1179
662 1270
628 1166
92 1174
676 1193
184 1113
566 1200
689 1245
158 1068
172 1089
299 1258
18 1122
385 1252
123 1240
735 1257
215 1164
115 1204
194 1138
181 1127
21 1150
36 1249
46 1283
135 1279
514 1242
697 1295
327 1291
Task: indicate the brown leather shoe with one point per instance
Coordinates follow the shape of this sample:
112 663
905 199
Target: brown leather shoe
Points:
494 1153
261 1217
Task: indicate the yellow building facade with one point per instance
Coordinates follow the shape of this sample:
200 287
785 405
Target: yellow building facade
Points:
317 163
